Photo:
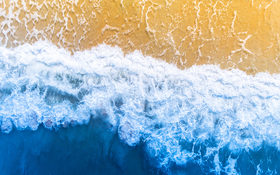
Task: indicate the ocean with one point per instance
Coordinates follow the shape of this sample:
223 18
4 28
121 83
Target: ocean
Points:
102 112
139 87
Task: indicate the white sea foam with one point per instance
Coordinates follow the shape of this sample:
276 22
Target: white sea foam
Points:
143 98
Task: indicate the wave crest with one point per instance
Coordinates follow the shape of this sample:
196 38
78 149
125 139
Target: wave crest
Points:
177 114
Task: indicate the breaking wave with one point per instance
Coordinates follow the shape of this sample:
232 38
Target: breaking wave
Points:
223 121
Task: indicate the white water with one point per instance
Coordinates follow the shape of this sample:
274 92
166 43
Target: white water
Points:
144 99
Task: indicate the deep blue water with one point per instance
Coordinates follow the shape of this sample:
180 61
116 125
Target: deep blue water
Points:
86 149
95 149
100 112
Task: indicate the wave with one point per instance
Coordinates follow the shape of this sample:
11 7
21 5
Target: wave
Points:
178 115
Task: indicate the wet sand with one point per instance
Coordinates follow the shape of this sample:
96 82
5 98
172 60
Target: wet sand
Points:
233 34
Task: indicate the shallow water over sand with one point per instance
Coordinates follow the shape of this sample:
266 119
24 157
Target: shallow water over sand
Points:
233 34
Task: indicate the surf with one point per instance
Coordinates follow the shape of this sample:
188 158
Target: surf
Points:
205 117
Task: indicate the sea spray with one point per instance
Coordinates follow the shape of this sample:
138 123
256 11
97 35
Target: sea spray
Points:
202 118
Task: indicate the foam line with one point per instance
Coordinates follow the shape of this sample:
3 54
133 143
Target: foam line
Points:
145 100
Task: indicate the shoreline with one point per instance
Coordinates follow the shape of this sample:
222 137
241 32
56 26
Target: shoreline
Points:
242 35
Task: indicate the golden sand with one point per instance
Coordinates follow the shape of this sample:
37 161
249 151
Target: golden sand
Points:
241 34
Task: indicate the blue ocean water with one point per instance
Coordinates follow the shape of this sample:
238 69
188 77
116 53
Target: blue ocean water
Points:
103 112
94 149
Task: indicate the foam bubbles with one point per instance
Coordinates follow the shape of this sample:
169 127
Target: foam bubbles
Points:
179 115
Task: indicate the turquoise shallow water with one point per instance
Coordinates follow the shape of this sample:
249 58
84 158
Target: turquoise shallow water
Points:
100 112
